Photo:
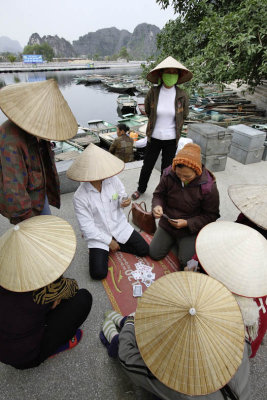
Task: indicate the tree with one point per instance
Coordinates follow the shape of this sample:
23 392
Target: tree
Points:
219 40
44 49
11 58
123 53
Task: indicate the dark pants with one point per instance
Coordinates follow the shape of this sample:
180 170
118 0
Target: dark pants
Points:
162 243
153 148
61 325
98 258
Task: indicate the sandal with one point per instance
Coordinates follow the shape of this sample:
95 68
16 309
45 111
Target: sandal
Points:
136 195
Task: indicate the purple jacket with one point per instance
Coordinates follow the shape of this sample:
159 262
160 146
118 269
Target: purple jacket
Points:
198 202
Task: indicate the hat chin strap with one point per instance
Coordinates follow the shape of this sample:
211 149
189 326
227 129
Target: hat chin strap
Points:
192 311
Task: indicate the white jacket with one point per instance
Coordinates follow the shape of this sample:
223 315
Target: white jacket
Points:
99 213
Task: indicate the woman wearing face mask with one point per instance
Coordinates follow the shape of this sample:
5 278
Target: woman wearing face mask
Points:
185 200
166 107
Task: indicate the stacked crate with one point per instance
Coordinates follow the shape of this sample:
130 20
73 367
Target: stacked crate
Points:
215 143
247 144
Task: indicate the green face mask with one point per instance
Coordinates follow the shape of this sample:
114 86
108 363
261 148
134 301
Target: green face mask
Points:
169 79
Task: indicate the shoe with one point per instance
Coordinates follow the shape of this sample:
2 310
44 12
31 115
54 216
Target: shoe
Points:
70 344
136 195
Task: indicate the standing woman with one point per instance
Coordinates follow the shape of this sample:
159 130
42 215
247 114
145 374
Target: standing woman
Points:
166 107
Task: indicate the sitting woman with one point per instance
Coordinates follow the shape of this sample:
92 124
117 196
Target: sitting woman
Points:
99 203
122 147
167 349
185 200
40 310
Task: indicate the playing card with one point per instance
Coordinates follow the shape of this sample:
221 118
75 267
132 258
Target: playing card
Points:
137 290
136 274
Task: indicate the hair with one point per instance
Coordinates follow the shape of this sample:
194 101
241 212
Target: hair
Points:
180 165
123 127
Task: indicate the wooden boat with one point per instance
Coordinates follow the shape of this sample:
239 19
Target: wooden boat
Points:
142 89
66 150
140 119
101 126
121 87
85 136
126 102
88 80
133 123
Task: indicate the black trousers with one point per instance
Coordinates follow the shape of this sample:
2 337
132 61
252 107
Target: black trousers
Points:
98 258
61 325
153 148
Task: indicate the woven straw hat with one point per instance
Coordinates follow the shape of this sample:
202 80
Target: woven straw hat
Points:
94 164
190 332
236 255
251 200
35 253
39 109
184 74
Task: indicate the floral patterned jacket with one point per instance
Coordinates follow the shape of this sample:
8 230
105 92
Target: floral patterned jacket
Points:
27 173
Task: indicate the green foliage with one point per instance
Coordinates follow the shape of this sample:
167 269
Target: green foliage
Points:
123 53
11 58
96 57
220 41
44 49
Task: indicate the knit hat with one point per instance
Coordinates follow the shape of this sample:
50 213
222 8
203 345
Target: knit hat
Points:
189 156
39 109
170 62
94 164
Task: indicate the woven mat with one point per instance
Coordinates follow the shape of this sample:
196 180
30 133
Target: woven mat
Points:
119 282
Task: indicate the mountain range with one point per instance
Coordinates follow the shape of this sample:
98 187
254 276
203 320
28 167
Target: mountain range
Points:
9 45
105 42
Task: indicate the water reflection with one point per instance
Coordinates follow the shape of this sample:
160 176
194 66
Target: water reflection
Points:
86 102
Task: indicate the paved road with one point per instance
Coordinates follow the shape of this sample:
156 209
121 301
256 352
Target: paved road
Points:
86 372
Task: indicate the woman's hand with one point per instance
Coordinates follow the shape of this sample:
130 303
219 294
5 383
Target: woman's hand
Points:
178 223
157 211
114 245
126 203
56 303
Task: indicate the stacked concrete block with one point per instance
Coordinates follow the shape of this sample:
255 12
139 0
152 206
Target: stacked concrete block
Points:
215 143
247 144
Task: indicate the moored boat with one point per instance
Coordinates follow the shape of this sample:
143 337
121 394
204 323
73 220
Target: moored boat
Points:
126 102
121 87
101 126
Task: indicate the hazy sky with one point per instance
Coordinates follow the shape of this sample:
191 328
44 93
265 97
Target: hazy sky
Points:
73 18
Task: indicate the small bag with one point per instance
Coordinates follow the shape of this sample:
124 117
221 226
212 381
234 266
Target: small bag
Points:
143 219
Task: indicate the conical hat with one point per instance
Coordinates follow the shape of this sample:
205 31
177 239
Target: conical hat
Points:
236 255
39 109
190 332
169 62
35 253
251 200
94 164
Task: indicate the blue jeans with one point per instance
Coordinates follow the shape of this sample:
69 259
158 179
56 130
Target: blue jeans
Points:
46 210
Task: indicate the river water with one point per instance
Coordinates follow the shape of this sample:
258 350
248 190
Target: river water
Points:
86 102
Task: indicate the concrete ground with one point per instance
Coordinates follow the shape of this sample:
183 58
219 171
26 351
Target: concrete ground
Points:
86 372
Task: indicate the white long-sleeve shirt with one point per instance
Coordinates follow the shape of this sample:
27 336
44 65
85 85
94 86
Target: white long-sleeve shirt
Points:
165 123
99 213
